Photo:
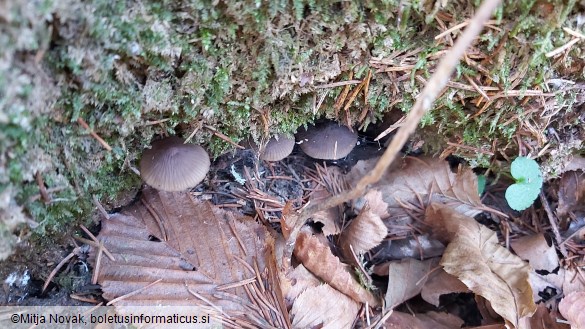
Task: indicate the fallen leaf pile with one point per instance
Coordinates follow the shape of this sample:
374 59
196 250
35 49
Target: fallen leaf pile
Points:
394 258
196 253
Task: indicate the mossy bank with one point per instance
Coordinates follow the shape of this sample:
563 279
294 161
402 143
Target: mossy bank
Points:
136 69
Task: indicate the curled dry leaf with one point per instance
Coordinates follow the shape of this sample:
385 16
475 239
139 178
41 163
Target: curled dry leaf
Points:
537 251
421 247
423 179
406 279
365 232
318 259
474 256
323 305
330 181
329 218
571 307
430 320
198 255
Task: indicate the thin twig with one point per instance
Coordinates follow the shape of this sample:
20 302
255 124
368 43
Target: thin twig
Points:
553 224
224 137
58 267
42 189
101 208
423 103
338 84
93 134
563 47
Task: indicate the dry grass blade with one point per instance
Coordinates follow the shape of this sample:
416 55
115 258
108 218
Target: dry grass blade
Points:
423 103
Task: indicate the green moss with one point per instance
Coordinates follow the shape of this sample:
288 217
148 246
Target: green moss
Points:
229 65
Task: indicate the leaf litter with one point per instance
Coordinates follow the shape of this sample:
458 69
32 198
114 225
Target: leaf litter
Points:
213 258
174 248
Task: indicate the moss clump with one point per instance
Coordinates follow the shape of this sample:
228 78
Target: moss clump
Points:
133 70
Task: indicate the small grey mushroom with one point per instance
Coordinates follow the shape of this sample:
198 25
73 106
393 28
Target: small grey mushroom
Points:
277 148
170 165
327 141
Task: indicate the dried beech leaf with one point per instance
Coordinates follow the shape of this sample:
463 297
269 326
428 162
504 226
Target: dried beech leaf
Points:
329 218
537 251
406 279
564 281
544 319
194 249
441 283
430 320
417 179
323 305
318 259
486 268
301 280
375 200
365 232
571 193
571 307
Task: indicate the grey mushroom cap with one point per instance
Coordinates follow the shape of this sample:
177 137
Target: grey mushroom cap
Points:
277 148
170 165
327 141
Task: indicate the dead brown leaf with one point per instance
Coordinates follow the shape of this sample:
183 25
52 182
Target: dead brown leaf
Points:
375 200
406 279
318 259
564 281
571 193
365 232
331 217
423 180
441 283
474 256
330 181
543 319
196 253
301 279
323 305
430 320
537 251
571 307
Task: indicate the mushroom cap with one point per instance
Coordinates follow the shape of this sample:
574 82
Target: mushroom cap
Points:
327 141
277 148
170 165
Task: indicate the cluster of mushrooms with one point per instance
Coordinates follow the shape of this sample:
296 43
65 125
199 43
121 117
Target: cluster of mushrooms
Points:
172 165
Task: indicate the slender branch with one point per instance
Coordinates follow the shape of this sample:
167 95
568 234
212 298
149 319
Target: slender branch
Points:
423 103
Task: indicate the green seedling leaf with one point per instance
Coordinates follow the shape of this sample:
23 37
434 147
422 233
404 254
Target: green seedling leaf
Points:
481 184
528 183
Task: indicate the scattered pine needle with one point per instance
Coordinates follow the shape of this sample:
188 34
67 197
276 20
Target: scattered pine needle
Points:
137 291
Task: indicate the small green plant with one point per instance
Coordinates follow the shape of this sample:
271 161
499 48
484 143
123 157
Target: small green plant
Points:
528 178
